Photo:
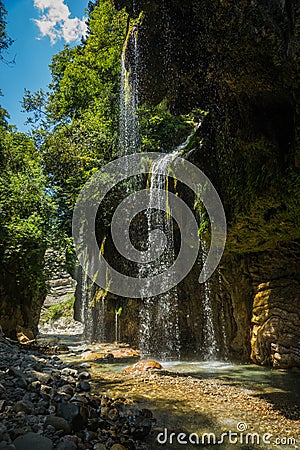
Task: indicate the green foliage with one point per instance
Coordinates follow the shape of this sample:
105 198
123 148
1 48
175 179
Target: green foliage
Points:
78 117
162 131
272 218
5 41
55 312
86 78
119 311
25 208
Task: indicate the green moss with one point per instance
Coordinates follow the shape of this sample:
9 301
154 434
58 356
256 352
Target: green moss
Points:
272 219
163 131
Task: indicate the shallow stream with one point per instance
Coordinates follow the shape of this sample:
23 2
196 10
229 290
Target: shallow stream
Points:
256 407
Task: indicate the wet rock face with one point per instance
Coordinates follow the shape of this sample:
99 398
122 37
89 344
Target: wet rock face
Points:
275 331
236 60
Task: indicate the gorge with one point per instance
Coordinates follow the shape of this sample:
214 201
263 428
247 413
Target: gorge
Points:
150 227
141 81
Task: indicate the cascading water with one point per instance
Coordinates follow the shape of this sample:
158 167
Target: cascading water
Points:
158 316
210 343
129 124
88 309
159 324
159 330
225 348
128 143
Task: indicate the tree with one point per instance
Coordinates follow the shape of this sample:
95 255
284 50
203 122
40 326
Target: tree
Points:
25 212
5 41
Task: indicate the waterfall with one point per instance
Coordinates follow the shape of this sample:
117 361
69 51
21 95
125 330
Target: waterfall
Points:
129 124
210 348
225 349
101 319
92 310
159 329
86 311
159 323
159 334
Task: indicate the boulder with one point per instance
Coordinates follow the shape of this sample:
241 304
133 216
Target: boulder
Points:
143 366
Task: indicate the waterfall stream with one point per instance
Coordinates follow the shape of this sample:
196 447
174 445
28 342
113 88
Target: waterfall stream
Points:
128 124
159 321
95 317
210 344
159 329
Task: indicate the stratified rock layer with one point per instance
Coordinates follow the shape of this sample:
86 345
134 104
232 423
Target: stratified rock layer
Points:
265 292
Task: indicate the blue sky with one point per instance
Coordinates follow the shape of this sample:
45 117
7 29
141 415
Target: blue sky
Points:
40 29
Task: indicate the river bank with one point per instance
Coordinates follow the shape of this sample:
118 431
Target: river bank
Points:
200 397
47 404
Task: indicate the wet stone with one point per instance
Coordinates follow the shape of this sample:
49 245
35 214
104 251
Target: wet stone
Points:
113 414
24 406
6 446
2 405
85 365
118 447
3 431
99 447
66 389
68 410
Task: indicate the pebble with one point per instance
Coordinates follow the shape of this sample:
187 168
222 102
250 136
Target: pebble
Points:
99 447
31 441
66 389
23 406
113 414
66 445
85 366
46 405
84 386
84 376
58 423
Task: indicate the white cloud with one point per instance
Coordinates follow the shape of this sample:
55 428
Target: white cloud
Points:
55 21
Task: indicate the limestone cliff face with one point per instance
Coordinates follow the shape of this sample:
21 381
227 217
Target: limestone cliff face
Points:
264 289
275 332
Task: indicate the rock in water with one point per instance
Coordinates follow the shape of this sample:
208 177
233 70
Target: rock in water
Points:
32 441
143 366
